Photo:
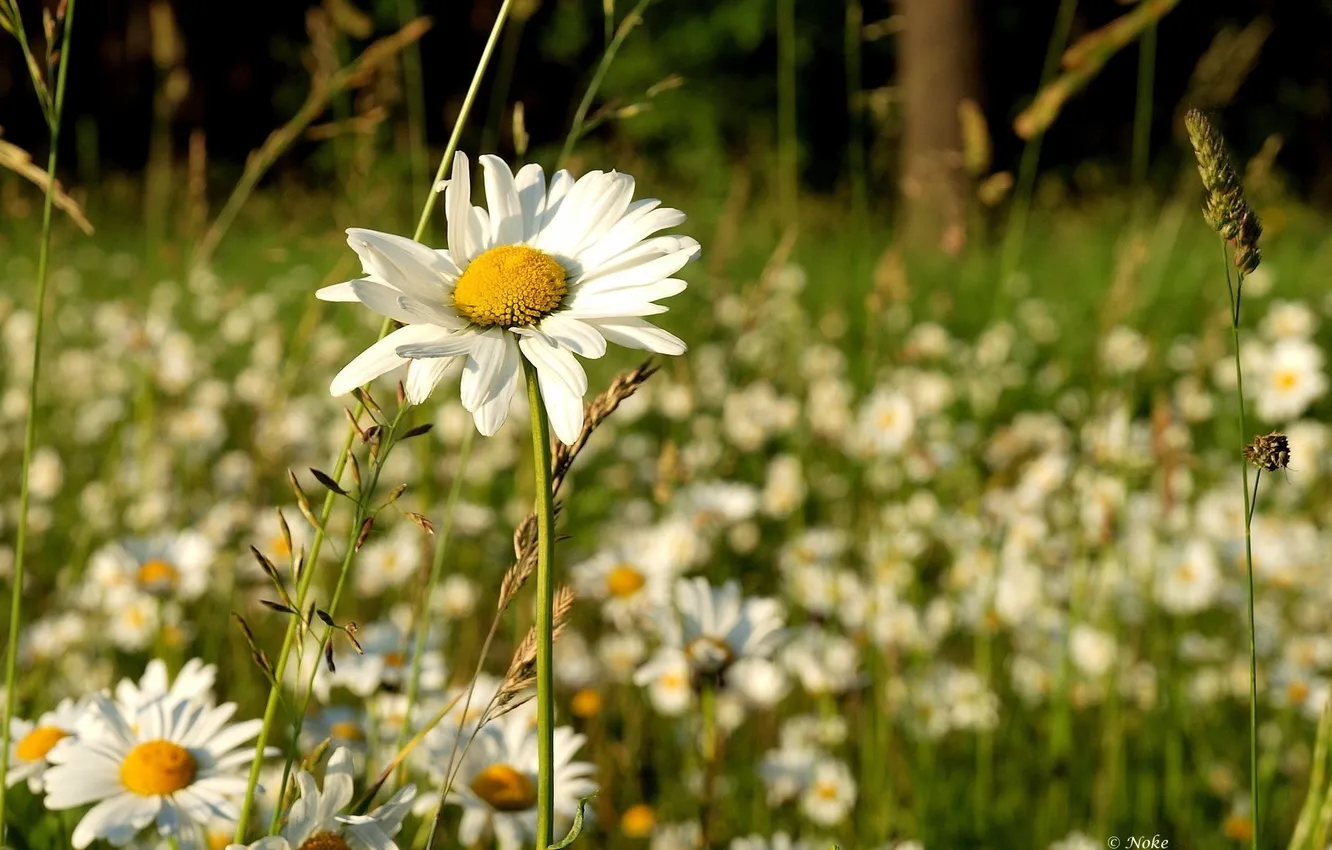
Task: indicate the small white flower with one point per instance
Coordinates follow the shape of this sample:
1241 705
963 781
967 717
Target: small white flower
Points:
32 741
496 785
830 793
317 819
545 272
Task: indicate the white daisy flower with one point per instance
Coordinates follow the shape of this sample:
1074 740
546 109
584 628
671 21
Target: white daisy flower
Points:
166 565
830 794
194 683
497 781
717 626
32 741
546 271
316 819
179 765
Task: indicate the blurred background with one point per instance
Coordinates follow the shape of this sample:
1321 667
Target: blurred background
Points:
875 86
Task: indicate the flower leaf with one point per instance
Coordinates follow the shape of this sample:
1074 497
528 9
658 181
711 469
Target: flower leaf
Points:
577 828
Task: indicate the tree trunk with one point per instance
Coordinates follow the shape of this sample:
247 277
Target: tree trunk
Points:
937 70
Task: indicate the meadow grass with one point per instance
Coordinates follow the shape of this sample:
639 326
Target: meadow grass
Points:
1128 771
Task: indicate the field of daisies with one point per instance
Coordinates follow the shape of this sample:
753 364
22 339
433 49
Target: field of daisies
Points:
579 508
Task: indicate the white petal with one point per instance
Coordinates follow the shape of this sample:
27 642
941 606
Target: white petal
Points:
628 302
640 221
381 357
382 299
642 274
491 361
337 292
563 385
574 335
423 376
444 345
637 333
530 182
408 269
560 184
491 416
432 313
506 211
458 209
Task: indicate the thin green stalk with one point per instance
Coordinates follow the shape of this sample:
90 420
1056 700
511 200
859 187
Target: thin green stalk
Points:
1142 117
415 93
363 509
708 711
275 692
855 152
30 429
786 110
1248 559
545 612
1031 152
436 568
627 25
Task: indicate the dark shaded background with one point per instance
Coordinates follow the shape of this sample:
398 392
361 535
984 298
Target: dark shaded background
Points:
247 78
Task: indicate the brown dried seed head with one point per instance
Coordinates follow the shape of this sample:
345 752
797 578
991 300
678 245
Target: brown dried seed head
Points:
1270 452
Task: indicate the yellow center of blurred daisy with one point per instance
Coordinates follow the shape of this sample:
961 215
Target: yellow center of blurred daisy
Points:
345 730
395 659
638 821
158 768
37 743
156 573
509 286
324 841
505 789
623 580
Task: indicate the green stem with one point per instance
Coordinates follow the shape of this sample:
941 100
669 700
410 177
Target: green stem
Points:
855 152
436 568
545 611
786 110
708 710
30 429
415 93
627 25
1031 153
1142 118
275 692
1248 564
363 509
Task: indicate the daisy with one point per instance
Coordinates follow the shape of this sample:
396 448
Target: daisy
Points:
166 565
718 627
32 741
179 765
830 794
194 683
316 819
497 781
547 271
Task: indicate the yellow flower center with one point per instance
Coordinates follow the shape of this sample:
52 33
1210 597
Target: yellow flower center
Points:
157 768
157 575
505 789
37 743
638 821
346 730
324 841
586 703
624 580
1286 380
709 654
825 791
395 659
511 285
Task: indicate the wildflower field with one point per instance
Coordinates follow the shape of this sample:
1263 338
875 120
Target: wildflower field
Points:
713 521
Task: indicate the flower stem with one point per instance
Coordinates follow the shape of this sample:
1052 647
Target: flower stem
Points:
627 25
1249 505
30 430
275 693
436 568
545 513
